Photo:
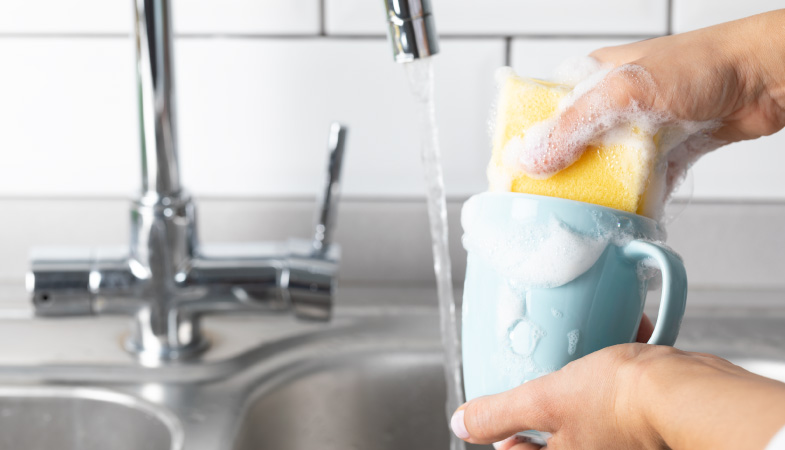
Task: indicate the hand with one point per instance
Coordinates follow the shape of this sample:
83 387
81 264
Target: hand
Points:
731 75
633 396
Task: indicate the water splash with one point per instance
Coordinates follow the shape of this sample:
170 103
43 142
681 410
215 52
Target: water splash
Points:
420 75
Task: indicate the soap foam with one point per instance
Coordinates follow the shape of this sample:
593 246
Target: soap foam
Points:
532 254
599 112
573 337
520 335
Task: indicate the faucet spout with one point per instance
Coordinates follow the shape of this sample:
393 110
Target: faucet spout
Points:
411 29
155 83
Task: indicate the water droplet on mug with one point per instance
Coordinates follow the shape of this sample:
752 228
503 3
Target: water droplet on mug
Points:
524 336
572 341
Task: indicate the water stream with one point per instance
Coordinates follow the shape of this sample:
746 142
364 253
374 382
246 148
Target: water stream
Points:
421 83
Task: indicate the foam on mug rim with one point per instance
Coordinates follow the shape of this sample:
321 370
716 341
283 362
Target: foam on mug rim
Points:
531 253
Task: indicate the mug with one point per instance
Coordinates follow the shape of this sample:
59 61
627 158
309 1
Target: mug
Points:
550 280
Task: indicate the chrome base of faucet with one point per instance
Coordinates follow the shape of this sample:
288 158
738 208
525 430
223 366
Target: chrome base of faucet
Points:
166 281
180 340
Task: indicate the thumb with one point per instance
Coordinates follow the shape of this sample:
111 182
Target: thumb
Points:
555 144
494 418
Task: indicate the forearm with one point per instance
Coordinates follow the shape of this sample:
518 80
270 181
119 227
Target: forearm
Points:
711 404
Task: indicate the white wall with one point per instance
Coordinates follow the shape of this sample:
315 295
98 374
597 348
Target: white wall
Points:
259 81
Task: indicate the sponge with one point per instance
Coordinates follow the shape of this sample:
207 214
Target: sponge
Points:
613 174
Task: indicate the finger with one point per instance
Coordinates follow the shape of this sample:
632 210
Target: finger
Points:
531 406
645 330
516 443
618 55
555 144
525 446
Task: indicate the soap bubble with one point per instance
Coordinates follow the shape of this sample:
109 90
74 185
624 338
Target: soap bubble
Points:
572 341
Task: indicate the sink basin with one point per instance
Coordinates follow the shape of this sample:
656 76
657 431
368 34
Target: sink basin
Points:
392 397
368 401
360 401
83 419
371 378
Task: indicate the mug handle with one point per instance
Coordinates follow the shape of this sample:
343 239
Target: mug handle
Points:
674 287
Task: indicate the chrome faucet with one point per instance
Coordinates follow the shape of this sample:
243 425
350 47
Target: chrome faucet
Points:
411 29
166 279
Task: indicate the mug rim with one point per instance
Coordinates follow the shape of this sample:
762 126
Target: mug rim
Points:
545 198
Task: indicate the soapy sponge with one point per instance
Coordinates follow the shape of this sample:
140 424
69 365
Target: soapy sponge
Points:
613 174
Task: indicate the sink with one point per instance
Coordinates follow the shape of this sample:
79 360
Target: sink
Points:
83 419
371 378
357 401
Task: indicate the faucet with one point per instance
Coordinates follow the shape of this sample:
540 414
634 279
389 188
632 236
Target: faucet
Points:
411 29
166 280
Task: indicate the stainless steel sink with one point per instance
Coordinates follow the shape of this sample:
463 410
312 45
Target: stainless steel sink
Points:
83 419
391 400
369 379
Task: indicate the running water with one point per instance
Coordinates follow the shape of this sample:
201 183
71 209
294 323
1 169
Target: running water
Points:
420 75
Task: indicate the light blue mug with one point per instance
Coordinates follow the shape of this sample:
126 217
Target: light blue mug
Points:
550 280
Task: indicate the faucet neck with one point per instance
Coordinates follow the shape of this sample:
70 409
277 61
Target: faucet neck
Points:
155 84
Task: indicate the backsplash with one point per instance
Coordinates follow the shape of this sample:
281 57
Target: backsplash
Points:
258 82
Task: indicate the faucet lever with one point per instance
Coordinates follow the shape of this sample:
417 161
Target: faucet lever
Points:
328 198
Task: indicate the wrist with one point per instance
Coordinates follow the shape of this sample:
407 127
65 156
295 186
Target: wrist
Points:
764 60
645 392
692 400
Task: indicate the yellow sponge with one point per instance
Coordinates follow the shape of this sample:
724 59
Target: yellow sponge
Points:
613 175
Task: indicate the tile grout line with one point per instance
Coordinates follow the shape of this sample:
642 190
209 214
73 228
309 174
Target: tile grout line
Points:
318 35
508 51
322 18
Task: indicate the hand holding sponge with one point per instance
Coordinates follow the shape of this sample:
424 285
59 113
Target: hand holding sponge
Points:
615 173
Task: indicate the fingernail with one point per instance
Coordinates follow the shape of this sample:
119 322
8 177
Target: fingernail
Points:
457 425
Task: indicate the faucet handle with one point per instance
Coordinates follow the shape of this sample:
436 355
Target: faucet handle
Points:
328 198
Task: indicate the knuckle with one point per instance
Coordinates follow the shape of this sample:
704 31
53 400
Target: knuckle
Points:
545 397
628 84
478 418
647 360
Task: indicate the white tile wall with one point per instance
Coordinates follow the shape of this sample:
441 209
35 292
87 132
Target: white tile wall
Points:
254 107
253 111
693 14
253 116
189 16
513 17
67 117
74 16
540 58
247 16
744 170
260 128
